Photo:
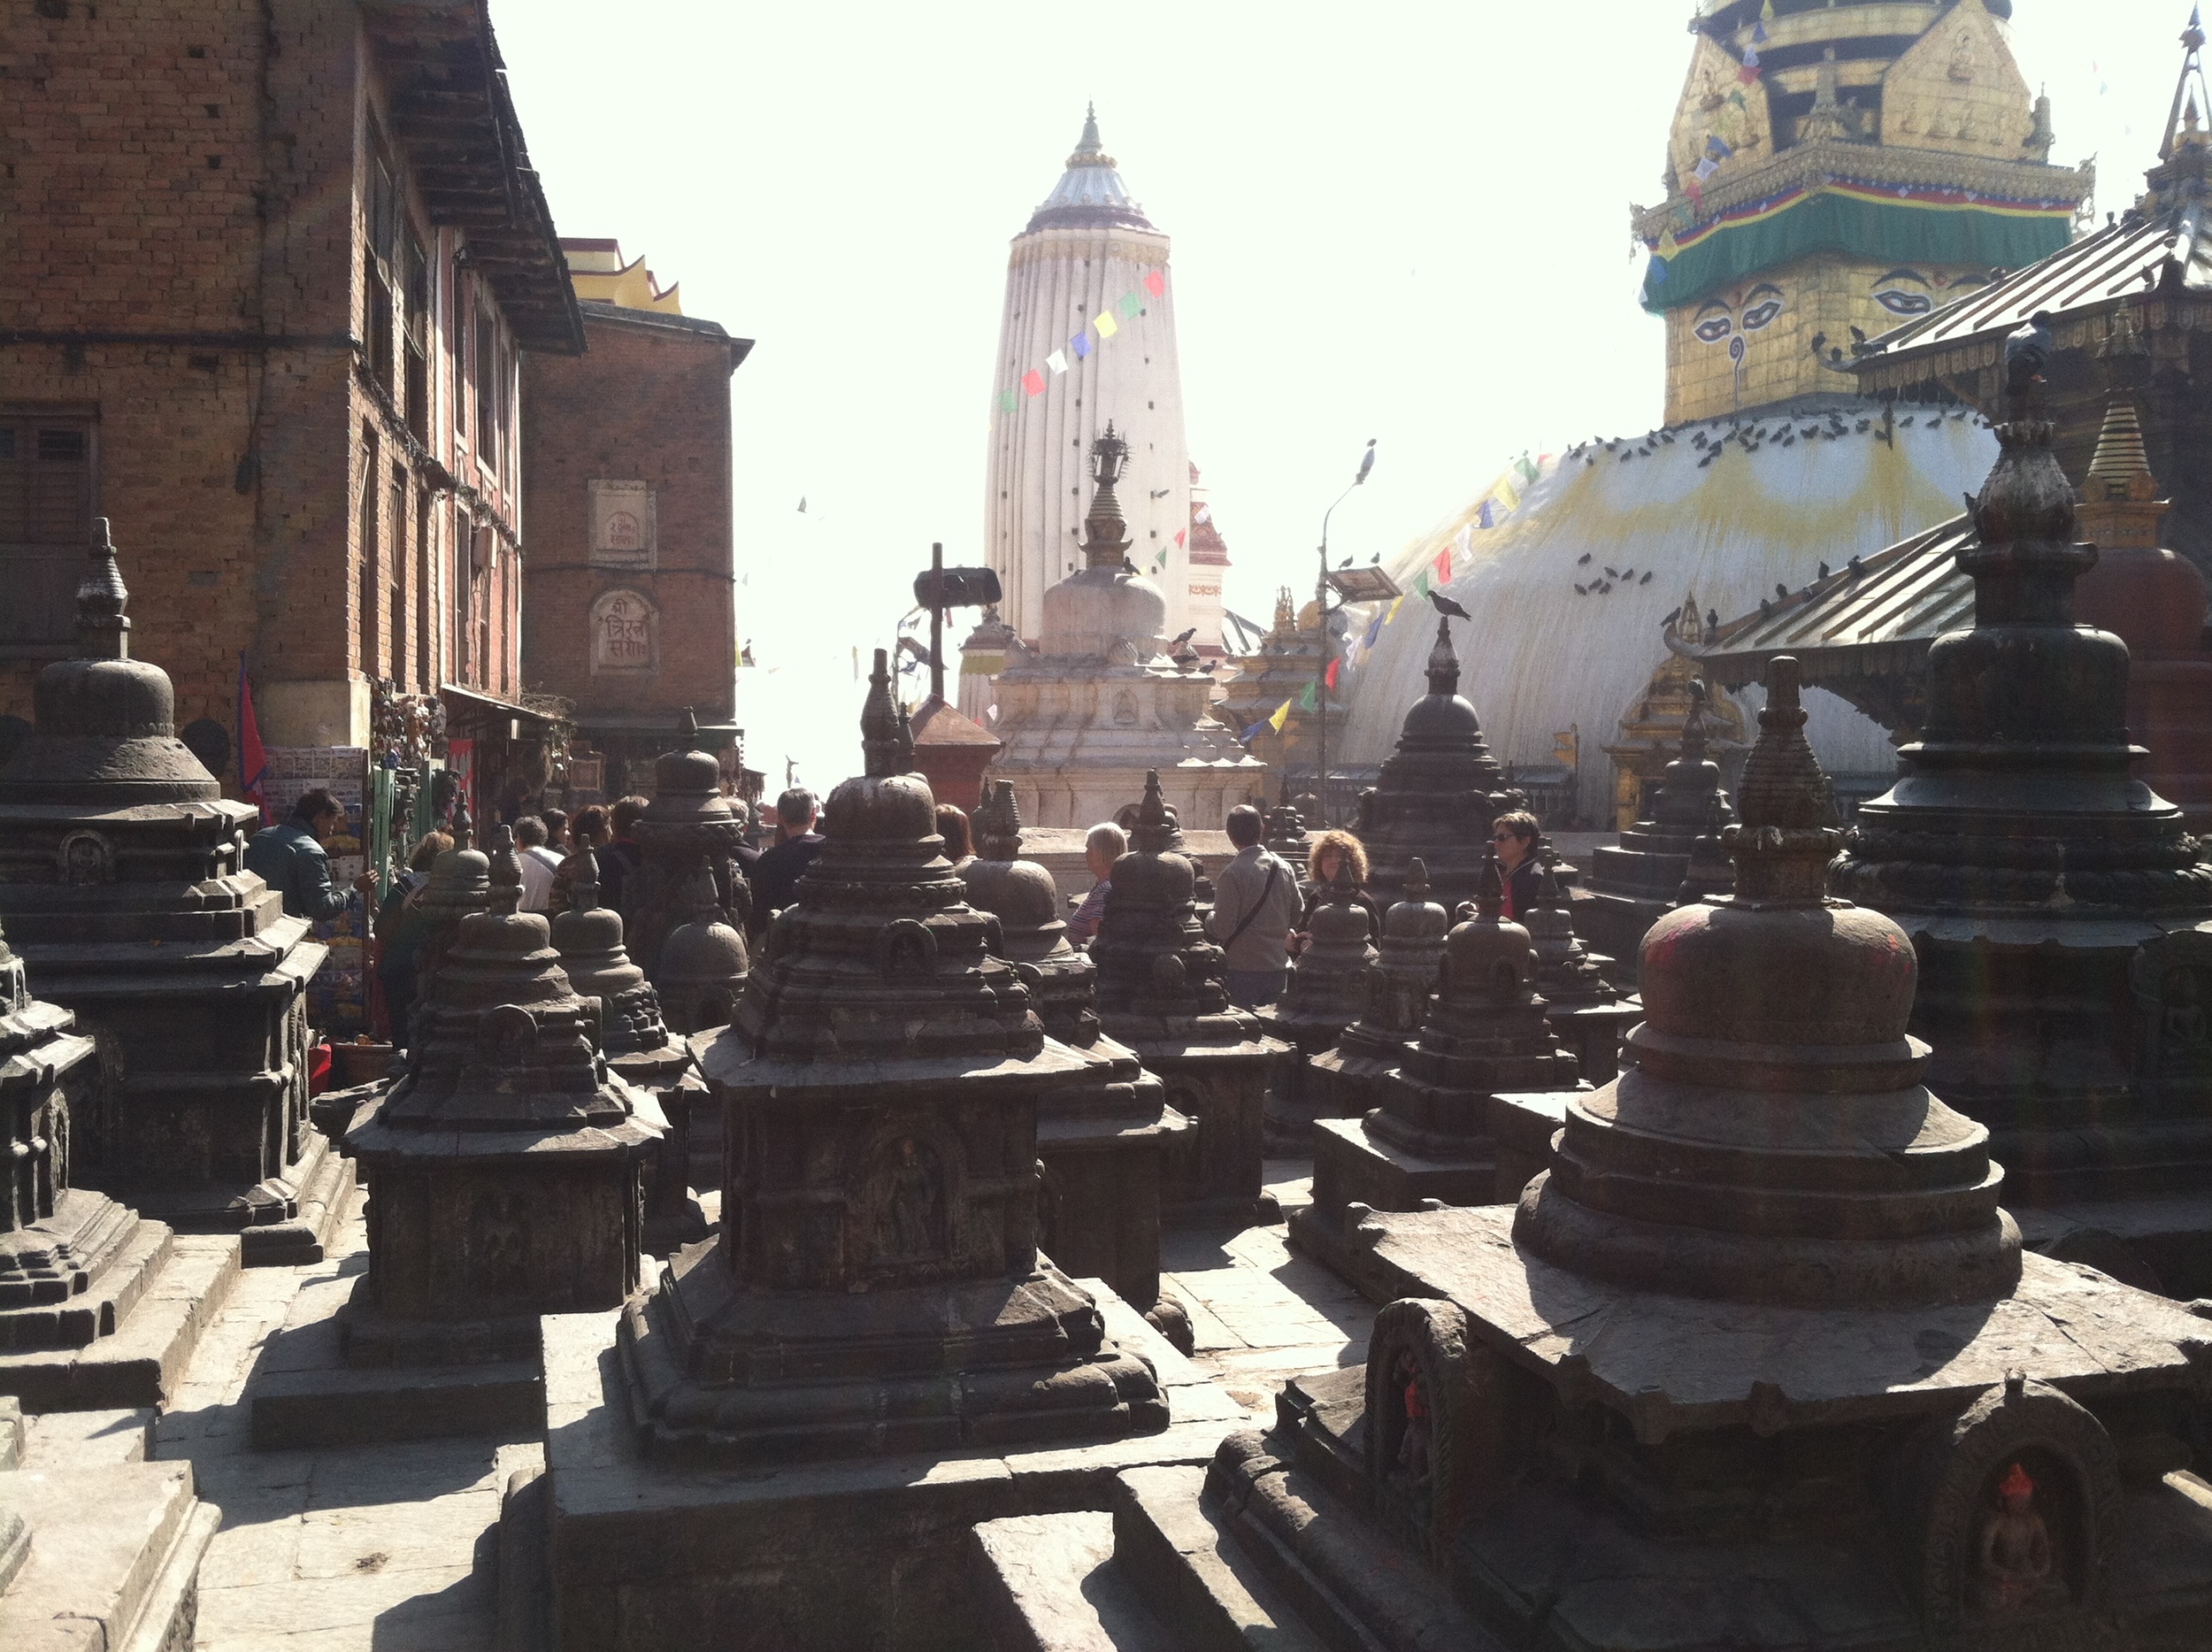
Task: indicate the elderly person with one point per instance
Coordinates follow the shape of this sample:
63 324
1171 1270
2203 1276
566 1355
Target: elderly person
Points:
1102 846
1255 905
1515 836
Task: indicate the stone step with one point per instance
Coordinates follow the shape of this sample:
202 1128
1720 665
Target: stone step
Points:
186 1280
113 1560
1047 1583
339 1405
1175 1554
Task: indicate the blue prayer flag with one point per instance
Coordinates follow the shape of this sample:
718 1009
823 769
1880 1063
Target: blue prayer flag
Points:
1081 345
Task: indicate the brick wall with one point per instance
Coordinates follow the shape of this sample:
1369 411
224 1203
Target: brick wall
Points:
649 402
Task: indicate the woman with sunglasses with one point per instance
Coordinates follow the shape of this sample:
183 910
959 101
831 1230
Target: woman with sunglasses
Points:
1515 836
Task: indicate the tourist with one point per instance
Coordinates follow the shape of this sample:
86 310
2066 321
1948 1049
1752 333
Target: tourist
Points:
1105 844
1515 836
290 859
1332 850
587 831
539 865
556 830
400 929
747 857
777 872
952 825
1256 903
622 854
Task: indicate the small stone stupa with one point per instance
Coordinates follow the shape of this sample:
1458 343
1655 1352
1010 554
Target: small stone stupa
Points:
508 1162
1434 796
1408 958
123 885
1657 864
1586 1014
1102 1144
2059 908
1434 1137
640 1050
1759 1364
1328 991
1163 990
876 1286
688 821
73 1264
1287 831
705 965
1100 702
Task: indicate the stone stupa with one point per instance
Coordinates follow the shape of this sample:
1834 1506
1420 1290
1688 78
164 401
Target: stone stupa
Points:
1659 864
1435 796
688 821
1163 990
1433 1136
1287 835
705 963
876 1286
1408 958
1099 702
1587 1014
1327 991
508 1167
1102 1145
1759 1364
2059 908
123 885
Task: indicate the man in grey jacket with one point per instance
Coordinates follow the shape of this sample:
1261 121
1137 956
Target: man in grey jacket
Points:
1255 907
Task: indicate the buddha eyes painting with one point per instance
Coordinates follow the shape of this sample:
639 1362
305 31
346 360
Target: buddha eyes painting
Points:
1736 315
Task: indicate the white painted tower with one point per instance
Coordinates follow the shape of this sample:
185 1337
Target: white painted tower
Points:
1063 374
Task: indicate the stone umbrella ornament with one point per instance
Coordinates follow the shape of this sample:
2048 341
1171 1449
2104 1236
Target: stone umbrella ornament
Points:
123 886
689 820
1163 990
1327 991
1408 958
1671 855
509 1166
876 1286
1487 1047
641 1049
1101 1145
1586 1014
1433 797
1761 1351
2058 906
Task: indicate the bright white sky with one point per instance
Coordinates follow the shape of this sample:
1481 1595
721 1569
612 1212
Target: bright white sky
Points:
1407 222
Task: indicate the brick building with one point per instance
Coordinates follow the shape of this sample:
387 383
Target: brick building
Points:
271 267
628 612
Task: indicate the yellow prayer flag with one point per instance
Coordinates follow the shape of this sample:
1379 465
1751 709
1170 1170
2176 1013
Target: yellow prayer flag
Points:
1282 716
1105 323
1394 607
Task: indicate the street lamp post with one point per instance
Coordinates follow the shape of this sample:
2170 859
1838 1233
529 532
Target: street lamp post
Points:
1321 625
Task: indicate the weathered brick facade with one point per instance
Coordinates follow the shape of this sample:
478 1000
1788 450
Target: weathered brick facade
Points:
253 254
632 633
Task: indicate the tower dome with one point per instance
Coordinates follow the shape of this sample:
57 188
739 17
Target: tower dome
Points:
1090 194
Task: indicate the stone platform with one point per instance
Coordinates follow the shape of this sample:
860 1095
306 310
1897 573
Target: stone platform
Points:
646 1557
154 1300
293 1223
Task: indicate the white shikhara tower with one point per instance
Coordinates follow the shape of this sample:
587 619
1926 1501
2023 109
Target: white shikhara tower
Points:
1086 254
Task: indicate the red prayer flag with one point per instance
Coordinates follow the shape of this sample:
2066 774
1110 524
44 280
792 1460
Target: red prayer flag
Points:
1443 564
1154 283
1180 536
1033 381
1335 665
253 764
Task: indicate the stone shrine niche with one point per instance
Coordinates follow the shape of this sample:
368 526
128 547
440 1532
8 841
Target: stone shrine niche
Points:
622 526
625 634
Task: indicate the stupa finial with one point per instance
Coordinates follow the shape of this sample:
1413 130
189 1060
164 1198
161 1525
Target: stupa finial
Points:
586 895
880 725
464 825
506 872
1090 149
1443 662
1782 843
688 737
1154 832
1490 892
998 824
103 627
1694 739
1417 884
905 755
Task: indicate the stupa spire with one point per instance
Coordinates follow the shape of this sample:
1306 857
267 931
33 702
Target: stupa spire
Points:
103 626
1443 662
879 724
1105 531
1090 151
2185 125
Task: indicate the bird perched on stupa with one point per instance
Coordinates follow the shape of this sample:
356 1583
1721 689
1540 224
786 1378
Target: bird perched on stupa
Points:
2028 352
1449 609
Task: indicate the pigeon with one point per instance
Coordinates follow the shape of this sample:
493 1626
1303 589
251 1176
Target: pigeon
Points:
1186 637
1582 590
1698 441
1667 437
1906 421
1128 566
1864 425
1708 458
1583 559
1373 560
1856 566
1858 335
1765 607
1208 668
2028 355
1449 609
1673 614
1712 620
1646 578
1809 430
1606 590
1343 565
1611 573
1780 589
1824 569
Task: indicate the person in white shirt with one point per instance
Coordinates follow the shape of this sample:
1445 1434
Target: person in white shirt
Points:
539 864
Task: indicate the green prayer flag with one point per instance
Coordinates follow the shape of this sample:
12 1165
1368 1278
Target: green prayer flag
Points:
1006 401
1421 583
1131 303
1306 699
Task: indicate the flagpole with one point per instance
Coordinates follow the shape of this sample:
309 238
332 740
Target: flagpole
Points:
1321 652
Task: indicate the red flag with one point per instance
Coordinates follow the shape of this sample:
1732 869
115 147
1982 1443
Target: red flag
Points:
253 764
1335 665
1443 564
1154 283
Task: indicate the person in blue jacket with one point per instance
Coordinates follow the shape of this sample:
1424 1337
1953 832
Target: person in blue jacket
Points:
291 859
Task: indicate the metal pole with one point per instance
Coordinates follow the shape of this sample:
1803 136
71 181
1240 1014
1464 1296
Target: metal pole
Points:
937 623
1320 674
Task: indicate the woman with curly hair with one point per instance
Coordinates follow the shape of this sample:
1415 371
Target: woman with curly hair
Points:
1331 850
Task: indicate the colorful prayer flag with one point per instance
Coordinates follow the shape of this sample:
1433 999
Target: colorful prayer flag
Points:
1308 699
1282 715
1081 345
1766 12
1253 732
1706 168
1394 607
1130 304
1335 666
1421 583
1374 630
1105 323
1033 381
1717 146
1160 561
1154 283
1489 516
1443 565
1759 34
1528 467
1181 535
1006 401
253 762
1696 192
1057 361
1750 70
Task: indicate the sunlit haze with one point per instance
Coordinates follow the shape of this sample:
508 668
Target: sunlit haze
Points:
1409 222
